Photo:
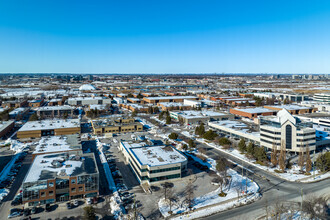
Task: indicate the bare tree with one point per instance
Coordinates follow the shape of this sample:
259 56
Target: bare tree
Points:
166 186
273 156
308 160
172 198
282 157
190 194
301 159
238 190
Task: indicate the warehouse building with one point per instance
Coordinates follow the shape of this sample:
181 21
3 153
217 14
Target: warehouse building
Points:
293 109
155 100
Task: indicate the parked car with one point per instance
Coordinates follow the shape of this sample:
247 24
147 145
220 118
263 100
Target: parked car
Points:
34 210
48 208
76 202
68 205
27 212
14 213
89 201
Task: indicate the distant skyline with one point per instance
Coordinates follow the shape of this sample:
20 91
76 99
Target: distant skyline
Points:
165 36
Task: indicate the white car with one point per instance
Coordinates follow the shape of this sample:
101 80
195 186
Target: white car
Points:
88 201
75 202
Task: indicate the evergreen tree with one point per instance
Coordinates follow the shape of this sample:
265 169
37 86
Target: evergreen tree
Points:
168 119
250 149
242 145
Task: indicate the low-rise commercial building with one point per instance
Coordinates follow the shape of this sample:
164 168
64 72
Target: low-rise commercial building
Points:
155 100
36 129
170 106
82 101
5 127
154 164
237 130
14 104
36 103
322 97
18 113
61 177
55 112
252 112
204 116
293 109
57 144
119 125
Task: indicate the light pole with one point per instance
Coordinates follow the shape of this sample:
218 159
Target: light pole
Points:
301 204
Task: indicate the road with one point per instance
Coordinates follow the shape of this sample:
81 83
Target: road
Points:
272 188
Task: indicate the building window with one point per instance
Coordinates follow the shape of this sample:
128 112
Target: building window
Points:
42 194
73 189
80 188
51 184
288 137
73 181
51 193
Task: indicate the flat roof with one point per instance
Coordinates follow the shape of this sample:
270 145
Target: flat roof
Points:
17 111
54 144
50 124
57 107
5 124
171 97
57 165
289 107
155 155
172 104
236 125
199 114
254 110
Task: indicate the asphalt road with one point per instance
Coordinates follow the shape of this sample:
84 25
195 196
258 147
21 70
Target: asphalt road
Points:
272 188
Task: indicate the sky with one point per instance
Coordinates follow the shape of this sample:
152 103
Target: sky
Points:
158 36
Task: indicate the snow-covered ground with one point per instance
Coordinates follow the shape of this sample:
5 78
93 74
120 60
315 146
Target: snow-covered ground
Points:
237 182
290 175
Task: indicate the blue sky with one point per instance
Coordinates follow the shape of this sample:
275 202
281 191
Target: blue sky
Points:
158 36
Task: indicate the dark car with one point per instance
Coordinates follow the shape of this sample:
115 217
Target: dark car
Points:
68 205
48 208
27 212
16 202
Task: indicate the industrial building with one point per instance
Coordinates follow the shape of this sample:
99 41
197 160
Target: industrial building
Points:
5 127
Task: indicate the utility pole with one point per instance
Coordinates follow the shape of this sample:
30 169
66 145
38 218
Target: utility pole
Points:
314 165
301 204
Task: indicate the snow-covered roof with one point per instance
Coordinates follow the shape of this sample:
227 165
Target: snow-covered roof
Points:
51 166
54 144
155 155
87 87
58 107
171 97
254 110
17 111
50 124
199 114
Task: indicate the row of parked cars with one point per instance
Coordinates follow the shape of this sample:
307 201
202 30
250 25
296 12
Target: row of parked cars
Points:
15 212
117 176
6 183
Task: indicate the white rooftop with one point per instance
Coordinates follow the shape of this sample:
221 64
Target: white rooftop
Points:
87 87
155 155
199 114
53 144
50 124
254 110
58 107
171 97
